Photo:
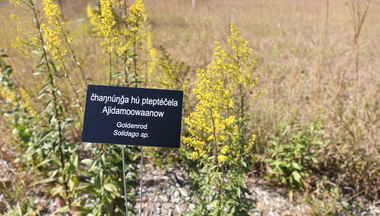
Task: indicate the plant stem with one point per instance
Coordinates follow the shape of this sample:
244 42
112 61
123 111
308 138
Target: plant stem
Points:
215 145
323 54
355 41
55 103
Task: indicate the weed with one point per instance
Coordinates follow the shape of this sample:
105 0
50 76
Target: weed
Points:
292 155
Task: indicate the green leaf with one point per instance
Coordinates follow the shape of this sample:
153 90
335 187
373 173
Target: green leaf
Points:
78 210
63 209
86 188
111 187
18 210
39 73
314 160
41 94
56 190
71 169
53 173
44 136
296 176
284 181
76 163
43 163
71 184
87 161
59 93
47 76
296 166
103 160
43 181
213 204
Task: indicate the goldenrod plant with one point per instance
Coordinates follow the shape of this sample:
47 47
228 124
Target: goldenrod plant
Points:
174 74
49 137
126 41
215 144
53 158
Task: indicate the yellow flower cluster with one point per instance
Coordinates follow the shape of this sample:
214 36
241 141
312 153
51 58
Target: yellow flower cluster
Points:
214 125
135 22
199 148
240 69
18 45
152 55
225 149
211 122
139 38
222 158
13 100
106 27
51 12
14 17
53 42
9 96
52 31
125 39
94 17
251 143
27 103
137 15
15 3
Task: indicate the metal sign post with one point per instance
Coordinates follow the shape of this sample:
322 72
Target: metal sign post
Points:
125 184
141 177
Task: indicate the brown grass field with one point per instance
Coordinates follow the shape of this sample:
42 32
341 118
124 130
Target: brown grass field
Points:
305 49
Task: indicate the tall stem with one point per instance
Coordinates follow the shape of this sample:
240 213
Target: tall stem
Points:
55 102
215 144
125 184
355 41
323 55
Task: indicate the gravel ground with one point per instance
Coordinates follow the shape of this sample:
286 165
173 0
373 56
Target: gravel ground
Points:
166 193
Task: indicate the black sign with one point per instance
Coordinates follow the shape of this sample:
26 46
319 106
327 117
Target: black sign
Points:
133 116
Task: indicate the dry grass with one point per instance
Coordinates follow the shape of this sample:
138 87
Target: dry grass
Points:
287 37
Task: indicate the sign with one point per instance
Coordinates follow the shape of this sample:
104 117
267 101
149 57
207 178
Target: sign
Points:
133 116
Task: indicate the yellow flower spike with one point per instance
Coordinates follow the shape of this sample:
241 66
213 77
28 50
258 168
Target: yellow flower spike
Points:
51 11
27 103
52 31
18 45
15 3
94 16
35 40
14 17
9 96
